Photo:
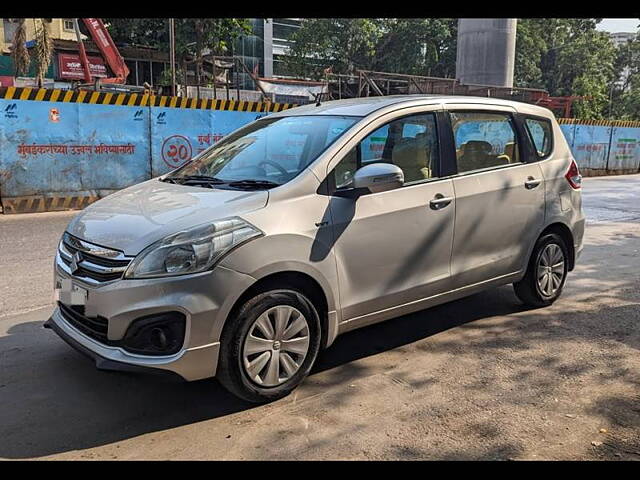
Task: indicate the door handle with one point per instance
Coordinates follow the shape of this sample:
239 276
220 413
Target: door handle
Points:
440 201
532 183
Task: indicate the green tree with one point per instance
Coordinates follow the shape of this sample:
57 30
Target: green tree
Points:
407 45
193 36
346 44
148 32
567 56
42 51
419 46
19 51
625 89
588 69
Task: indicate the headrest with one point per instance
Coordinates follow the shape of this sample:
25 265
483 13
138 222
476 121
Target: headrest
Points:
477 146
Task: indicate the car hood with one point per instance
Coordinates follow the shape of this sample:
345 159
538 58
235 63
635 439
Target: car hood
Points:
132 219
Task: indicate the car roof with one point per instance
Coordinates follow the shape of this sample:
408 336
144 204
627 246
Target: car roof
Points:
363 106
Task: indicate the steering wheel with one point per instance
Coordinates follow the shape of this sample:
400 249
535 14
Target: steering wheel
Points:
275 165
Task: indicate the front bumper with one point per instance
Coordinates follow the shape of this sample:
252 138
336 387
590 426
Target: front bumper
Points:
205 300
102 363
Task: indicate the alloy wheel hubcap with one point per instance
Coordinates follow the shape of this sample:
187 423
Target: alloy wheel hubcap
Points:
550 269
276 346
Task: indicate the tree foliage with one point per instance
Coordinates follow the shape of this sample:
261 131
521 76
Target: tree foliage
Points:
193 36
19 51
214 34
625 91
566 56
421 46
43 49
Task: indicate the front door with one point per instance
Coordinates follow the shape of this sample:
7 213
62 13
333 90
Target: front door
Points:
393 247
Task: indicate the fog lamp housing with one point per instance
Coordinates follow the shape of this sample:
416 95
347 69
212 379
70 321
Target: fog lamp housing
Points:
161 334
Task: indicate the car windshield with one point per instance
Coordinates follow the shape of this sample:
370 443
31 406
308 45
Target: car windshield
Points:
267 152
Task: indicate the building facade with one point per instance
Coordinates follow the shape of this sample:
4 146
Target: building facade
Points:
621 38
59 28
263 51
146 65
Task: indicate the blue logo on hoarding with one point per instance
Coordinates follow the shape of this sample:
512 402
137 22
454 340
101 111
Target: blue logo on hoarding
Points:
160 119
138 116
10 111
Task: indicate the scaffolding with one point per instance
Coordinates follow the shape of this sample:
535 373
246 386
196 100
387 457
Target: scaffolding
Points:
367 83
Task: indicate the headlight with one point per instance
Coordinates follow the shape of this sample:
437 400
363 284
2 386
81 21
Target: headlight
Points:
191 251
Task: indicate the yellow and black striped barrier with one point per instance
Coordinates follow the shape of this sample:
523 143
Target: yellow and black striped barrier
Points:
599 123
46 203
137 100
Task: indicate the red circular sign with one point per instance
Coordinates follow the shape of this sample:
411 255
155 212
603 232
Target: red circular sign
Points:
176 151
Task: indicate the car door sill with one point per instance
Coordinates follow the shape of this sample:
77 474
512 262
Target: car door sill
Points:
421 304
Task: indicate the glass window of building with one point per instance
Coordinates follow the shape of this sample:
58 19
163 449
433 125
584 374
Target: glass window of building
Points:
10 27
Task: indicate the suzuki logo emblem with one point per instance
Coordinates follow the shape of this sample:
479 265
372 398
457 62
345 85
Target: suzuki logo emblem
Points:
75 260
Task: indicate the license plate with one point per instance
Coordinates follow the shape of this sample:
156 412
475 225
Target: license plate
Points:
69 293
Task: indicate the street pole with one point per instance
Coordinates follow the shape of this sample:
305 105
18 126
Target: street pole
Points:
172 55
611 99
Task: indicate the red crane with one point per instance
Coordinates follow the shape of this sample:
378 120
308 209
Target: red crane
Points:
107 48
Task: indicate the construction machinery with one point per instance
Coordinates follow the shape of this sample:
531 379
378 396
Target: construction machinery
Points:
109 51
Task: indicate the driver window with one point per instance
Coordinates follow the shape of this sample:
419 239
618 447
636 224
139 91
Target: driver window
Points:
410 142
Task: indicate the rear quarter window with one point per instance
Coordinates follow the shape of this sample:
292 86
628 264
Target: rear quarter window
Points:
541 136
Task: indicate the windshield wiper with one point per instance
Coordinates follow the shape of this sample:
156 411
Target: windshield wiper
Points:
197 179
169 180
250 183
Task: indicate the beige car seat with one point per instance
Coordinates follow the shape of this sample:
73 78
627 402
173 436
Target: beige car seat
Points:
475 154
413 156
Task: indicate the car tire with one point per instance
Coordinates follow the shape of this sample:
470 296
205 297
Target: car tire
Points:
546 272
247 362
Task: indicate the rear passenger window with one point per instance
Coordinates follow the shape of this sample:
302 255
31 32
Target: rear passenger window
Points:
540 131
484 140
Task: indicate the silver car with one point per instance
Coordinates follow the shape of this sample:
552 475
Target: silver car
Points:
247 261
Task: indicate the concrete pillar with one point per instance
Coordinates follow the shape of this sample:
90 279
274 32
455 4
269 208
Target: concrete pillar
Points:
486 51
268 47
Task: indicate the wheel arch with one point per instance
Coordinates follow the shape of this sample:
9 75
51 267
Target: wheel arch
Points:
305 284
564 232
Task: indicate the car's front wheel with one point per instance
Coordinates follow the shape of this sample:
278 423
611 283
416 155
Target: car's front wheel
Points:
269 346
546 273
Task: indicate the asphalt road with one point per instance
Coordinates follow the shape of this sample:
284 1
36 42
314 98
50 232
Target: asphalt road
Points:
479 378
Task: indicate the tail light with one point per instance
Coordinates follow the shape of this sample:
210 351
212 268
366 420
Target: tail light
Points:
573 176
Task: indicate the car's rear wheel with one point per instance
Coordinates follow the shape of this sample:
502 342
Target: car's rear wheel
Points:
546 272
269 346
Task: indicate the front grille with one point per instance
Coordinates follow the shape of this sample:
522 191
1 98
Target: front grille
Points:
95 328
93 263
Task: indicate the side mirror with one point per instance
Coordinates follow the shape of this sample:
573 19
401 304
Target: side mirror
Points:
378 177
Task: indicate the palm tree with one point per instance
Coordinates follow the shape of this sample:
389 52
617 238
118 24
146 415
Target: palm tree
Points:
19 51
43 48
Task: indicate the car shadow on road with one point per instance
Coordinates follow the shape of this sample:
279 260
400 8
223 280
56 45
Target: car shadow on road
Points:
55 401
